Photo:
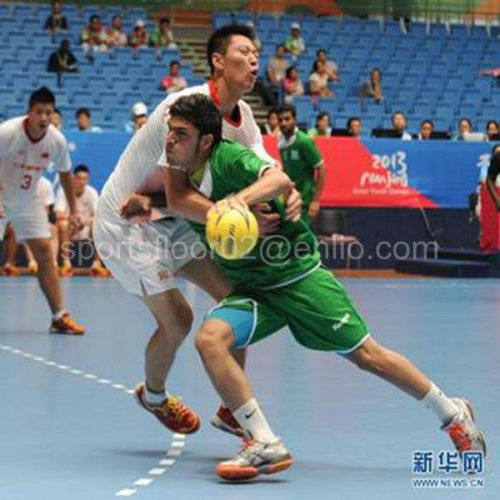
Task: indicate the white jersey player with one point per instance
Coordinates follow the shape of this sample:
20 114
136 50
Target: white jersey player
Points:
28 144
141 256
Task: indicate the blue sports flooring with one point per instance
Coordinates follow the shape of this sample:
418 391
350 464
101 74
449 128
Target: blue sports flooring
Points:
69 430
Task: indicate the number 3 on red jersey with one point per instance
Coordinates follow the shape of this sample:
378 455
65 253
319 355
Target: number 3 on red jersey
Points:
26 184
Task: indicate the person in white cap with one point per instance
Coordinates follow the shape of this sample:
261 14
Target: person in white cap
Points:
295 44
140 36
139 116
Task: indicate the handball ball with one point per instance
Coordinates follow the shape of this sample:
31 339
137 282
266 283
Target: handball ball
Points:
232 232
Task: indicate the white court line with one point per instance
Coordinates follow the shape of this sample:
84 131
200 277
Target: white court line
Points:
178 440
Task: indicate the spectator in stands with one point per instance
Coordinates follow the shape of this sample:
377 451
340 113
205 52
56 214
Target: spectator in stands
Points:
94 37
292 85
62 60
57 20
84 121
86 203
354 126
464 128
399 125
139 115
426 129
372 88
162 37
173 82
492 130
275 73
56 119
272 125
295 44
116 34
318 80
322 127
332 69
139 38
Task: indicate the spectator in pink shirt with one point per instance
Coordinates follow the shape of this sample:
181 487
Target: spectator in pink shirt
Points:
173 82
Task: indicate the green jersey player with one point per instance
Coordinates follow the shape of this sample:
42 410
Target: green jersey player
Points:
275 286
302 162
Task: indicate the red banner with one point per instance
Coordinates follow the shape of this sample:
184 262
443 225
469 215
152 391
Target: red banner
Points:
358 177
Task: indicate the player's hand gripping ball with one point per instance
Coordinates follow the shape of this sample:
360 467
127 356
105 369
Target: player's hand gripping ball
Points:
231 231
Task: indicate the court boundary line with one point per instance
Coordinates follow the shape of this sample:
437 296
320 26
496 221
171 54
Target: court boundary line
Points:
166 462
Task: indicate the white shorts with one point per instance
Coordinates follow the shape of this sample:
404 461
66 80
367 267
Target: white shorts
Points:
29 221
145 257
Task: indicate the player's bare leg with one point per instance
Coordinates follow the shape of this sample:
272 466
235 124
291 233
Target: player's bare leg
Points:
456 414
203 273
174 317
49 283
10 268
264 452
63 230
32 263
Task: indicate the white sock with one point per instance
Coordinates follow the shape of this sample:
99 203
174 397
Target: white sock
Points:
440 404
59 314
154 398
253 421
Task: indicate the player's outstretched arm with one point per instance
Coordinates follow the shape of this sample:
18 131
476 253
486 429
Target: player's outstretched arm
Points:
271 184
183 198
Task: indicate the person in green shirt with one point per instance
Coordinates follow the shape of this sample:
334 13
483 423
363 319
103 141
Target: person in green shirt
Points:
302 162
280 283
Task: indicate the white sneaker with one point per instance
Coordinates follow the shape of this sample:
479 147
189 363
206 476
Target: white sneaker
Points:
256 457
462 429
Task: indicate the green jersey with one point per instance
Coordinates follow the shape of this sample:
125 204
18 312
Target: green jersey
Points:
300 157
276 260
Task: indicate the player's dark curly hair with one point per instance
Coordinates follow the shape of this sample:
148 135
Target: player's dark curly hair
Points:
219 40
200 111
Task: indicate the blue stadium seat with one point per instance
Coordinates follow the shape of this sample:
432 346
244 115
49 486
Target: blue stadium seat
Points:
220 19
372 26
304 107
439 30
84 98
419 30
328 104
12 110
107 98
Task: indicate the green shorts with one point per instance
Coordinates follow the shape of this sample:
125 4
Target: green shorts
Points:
316 308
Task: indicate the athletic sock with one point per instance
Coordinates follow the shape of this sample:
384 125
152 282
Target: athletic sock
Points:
253 421
59 314
154 398
440 404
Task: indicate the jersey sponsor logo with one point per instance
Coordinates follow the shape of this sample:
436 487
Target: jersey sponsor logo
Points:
344 320
45 155
294 155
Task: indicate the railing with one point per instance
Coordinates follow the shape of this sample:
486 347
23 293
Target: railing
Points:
467 11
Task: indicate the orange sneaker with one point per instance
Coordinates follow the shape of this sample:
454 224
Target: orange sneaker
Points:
65 271
66 325
463 430
10 270
32 267
173 414
99 271
224 421
255 457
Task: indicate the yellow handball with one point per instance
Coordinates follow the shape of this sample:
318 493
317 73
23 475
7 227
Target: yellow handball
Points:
232 232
